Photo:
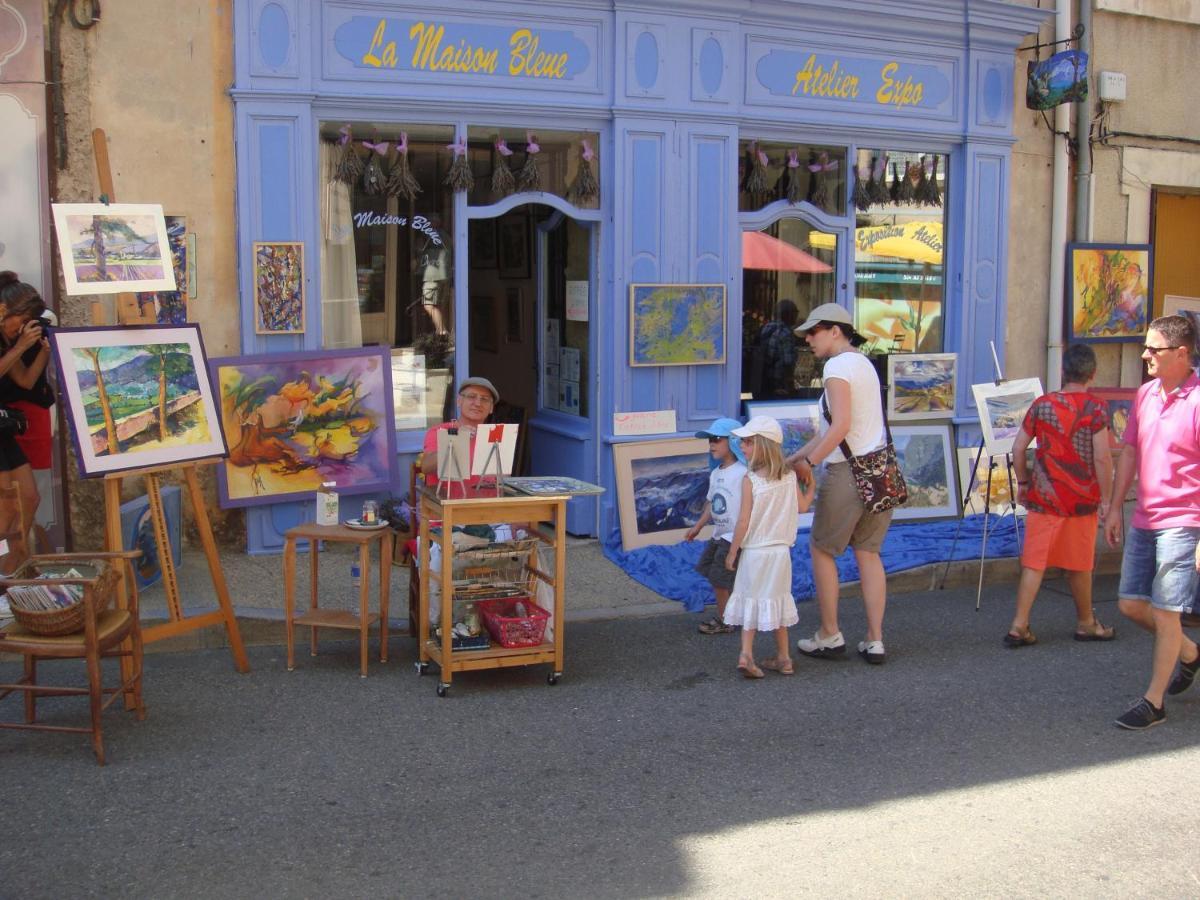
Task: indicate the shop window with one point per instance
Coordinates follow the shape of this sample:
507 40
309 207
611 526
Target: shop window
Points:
565 362
788 268
387 264
900 280
558 165
770 171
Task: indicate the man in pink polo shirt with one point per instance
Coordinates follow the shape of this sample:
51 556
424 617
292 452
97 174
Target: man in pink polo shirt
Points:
1161 565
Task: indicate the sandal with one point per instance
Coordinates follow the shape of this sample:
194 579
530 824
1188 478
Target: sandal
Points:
1097 631
713 625
1015 639
782 666
748 669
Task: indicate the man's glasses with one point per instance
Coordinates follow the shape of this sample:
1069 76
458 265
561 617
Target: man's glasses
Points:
477 398
1146 348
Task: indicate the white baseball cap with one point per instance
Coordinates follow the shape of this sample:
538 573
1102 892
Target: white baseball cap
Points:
761 426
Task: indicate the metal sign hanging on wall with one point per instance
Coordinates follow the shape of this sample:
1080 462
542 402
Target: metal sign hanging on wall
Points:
1062 78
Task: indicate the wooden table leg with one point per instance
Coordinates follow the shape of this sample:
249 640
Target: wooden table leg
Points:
289 597
312 603
364 591
385 590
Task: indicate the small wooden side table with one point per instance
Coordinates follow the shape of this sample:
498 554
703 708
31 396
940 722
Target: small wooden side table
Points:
332 618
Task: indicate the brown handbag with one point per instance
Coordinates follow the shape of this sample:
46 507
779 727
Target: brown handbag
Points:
877 475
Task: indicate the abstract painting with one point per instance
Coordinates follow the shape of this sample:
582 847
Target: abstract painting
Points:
137 396
297 420
113 248
661 489
1002 409
1188 307
676 324
925 457
278 288
1117 403
799 419
922 386
977 497
170 307
1108 288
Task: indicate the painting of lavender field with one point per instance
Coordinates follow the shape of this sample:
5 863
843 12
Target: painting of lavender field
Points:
922 386
924 454
113 248
661 489
1002 409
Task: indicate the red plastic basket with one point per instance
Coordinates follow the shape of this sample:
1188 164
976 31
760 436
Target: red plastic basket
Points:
510 629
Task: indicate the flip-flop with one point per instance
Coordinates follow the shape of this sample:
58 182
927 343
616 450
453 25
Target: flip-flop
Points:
783 667
750 670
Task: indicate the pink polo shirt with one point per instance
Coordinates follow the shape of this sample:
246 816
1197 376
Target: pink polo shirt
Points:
1165 431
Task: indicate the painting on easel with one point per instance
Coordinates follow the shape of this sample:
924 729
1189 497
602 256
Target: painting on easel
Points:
297 420
113 248
137 396
171 307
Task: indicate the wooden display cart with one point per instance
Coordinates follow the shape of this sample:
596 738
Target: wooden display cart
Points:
483 507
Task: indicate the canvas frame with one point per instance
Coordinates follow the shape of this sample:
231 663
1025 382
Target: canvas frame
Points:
639 289
1000 501
998 445
91 464
386 426
896 415
1189 307
952 508
298 248
1145 259
64 212
624 455
1108 395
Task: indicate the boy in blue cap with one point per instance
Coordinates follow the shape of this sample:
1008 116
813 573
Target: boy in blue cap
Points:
722 507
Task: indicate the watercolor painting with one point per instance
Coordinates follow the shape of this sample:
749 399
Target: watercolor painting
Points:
1117 402
799 419
1188 307
297 420
922 386
137 396
278 288
925 457
976 497
676 324
1108 288
113 248
137 526
170 307
661 489
1002 409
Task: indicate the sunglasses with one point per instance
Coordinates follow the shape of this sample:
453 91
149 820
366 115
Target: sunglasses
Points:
716 440
1146 348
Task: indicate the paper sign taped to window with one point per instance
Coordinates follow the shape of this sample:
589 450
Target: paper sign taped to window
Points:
655 421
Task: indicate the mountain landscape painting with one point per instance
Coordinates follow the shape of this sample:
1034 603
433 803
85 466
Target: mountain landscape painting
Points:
924 454
1002 409
661 489
137 396
922 386
113 248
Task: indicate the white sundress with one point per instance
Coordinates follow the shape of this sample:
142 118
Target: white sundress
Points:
762 591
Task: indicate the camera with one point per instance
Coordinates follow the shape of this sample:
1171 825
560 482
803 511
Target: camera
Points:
44 322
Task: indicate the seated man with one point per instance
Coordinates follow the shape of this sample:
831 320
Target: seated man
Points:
476 399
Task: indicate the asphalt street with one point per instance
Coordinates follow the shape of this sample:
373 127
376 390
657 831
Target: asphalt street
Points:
651 770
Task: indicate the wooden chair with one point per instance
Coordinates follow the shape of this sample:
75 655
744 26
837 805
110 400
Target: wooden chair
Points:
102 636
414 576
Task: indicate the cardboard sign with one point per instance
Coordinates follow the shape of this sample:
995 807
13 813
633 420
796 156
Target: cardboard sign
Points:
655 421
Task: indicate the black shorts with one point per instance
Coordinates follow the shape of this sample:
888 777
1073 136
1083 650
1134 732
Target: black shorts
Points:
712 565
11 454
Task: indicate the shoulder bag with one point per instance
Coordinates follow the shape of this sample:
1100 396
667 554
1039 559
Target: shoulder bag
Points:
877 474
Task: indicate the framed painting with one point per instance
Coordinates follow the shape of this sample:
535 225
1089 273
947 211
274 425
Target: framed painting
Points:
1117 403
1109 287
171 307
137 396
676 324
113 248
662 487
278 287
481 248
1002 409
514 317
926 457
799 419
298 420
921 386
1188 307
973 468
512 239
137 529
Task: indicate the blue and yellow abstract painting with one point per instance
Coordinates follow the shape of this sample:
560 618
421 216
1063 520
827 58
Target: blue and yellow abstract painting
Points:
676 324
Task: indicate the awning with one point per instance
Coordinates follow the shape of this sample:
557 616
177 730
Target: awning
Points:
761 251
916 241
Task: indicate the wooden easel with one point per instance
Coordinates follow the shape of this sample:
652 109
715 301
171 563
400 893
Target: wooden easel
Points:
178 623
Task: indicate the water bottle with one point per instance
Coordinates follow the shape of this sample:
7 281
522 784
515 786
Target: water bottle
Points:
355 575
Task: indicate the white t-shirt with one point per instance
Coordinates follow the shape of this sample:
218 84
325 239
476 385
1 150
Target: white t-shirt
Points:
725 495
866 407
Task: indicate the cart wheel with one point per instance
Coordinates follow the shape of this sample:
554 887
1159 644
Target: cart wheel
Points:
442 688
552 678
421 667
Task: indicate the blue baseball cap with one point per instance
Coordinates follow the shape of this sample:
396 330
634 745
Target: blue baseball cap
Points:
724 428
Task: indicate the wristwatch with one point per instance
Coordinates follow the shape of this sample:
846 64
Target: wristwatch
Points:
811 464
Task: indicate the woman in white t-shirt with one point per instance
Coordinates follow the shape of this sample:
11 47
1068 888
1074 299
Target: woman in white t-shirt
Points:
855 418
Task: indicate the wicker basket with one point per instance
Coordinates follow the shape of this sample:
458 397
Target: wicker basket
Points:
98 584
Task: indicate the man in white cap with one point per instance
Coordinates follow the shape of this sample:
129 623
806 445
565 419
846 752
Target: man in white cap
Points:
476 398
852 424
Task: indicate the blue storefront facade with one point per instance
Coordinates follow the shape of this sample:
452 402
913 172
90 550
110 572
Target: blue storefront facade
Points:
671 106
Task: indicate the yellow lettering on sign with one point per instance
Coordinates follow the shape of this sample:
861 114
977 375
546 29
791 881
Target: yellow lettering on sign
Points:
897 93
526 59
429 53
816 81
389 49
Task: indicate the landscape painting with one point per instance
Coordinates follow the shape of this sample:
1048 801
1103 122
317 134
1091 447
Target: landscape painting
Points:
1117 403
1002 409
676 324
925 456
113 248
922 386
297 420
170 307
799 419
137 396
1188 307
978 499
661 489
1108 288
278 288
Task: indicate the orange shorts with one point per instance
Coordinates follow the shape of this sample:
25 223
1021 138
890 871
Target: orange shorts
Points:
1064 542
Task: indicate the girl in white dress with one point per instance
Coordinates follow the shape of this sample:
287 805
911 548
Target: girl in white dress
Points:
765 532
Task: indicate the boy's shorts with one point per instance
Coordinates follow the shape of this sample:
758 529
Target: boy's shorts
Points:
712 564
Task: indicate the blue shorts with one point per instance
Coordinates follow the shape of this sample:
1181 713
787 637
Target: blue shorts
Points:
1159 567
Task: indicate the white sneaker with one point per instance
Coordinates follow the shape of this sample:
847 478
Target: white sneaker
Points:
872 652
822 647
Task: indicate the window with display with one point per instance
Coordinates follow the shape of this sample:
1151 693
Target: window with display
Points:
810 173
507 160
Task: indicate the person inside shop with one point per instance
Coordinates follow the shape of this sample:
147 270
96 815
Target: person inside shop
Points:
854 406
776 348
477 397
436 267
24 353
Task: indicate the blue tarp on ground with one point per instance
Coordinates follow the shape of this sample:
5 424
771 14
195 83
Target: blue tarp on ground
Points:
670 571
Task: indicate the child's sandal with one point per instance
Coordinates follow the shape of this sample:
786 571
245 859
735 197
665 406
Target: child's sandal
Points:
748 669
783 667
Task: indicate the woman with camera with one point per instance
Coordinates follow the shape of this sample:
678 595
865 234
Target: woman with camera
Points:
24 353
